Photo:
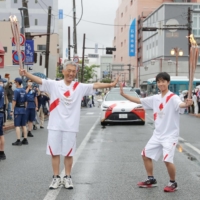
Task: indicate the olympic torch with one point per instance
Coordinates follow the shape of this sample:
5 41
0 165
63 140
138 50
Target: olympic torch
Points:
16 35
194 55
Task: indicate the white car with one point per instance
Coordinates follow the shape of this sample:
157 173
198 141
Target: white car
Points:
116 109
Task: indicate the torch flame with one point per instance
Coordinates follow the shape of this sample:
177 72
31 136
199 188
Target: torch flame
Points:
13 18
192 40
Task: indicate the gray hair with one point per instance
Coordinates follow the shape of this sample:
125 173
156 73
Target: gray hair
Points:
70 63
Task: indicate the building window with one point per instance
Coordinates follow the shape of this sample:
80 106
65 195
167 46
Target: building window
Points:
122 29
41 47
124 41
131 3
121 58
114 56
5 49
121 44
196 24
121 14
36 1
15 1
124 25
36 22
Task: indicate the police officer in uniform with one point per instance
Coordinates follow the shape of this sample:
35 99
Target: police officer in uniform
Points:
19 106
2 141
32 106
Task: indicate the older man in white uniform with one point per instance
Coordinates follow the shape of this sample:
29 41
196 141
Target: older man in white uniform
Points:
63 126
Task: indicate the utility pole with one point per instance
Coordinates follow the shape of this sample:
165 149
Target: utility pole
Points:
48 41
69 46
189 33
74 30
26 20
83 58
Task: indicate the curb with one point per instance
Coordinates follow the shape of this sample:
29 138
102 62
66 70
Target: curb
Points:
11 126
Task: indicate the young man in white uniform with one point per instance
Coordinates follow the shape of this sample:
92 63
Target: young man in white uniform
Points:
63 126
165 136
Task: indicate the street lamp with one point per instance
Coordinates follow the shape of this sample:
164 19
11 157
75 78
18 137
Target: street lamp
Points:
22 9
177 52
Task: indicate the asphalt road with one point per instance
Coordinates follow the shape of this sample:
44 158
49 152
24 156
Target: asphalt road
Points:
107 164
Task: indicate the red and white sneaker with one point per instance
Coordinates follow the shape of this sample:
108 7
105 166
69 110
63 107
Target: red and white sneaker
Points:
171 187
149 183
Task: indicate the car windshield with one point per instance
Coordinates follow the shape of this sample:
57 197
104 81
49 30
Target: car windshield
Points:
115 96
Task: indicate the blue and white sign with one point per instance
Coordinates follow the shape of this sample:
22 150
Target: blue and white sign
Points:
29 52
132 38
60 13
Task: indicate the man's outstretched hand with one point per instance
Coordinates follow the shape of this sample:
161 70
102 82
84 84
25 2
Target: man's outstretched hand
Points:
121 89
116 81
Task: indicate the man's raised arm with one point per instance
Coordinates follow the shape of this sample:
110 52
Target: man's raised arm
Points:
130 98
35 79
106 85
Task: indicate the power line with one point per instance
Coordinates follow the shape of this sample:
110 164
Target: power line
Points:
81 13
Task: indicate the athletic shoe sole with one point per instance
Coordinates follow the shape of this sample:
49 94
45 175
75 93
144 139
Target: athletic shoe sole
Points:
69 188
172 190
147 186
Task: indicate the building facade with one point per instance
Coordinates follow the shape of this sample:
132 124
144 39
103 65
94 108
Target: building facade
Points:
38 11
157 45
127 11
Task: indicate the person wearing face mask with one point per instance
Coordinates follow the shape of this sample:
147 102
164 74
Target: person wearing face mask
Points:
9 93
32 105
2 141
19 106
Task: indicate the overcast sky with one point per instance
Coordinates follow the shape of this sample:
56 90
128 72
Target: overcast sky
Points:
102 11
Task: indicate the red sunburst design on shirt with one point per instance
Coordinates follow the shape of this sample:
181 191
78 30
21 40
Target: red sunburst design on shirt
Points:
155 116
67 94
161 106
75 85
169 97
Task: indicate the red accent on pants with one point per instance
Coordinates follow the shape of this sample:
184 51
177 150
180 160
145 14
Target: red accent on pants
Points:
69 153
50 151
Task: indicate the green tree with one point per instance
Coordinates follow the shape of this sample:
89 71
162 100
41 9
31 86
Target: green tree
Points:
106 80
88 73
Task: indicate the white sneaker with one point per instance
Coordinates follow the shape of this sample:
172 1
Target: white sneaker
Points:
56 182
67 181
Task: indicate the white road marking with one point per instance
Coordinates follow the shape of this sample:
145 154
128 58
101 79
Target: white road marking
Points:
193 147
89 113
181 139
52 194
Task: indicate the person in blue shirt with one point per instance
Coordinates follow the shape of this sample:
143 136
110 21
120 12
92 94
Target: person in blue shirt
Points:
43 99
32 106
19 106
2 141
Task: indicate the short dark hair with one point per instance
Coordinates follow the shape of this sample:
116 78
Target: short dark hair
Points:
164 76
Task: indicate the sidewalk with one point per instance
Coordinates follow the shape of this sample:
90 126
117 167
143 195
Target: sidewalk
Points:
8 125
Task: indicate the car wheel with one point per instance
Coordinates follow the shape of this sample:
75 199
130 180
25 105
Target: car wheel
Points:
103 124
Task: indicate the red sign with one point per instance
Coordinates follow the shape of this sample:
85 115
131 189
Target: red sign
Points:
21 39
16 58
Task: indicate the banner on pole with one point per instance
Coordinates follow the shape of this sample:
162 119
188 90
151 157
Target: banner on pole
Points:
132 38
29 52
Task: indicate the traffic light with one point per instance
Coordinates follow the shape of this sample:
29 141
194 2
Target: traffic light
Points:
40 59
109 50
